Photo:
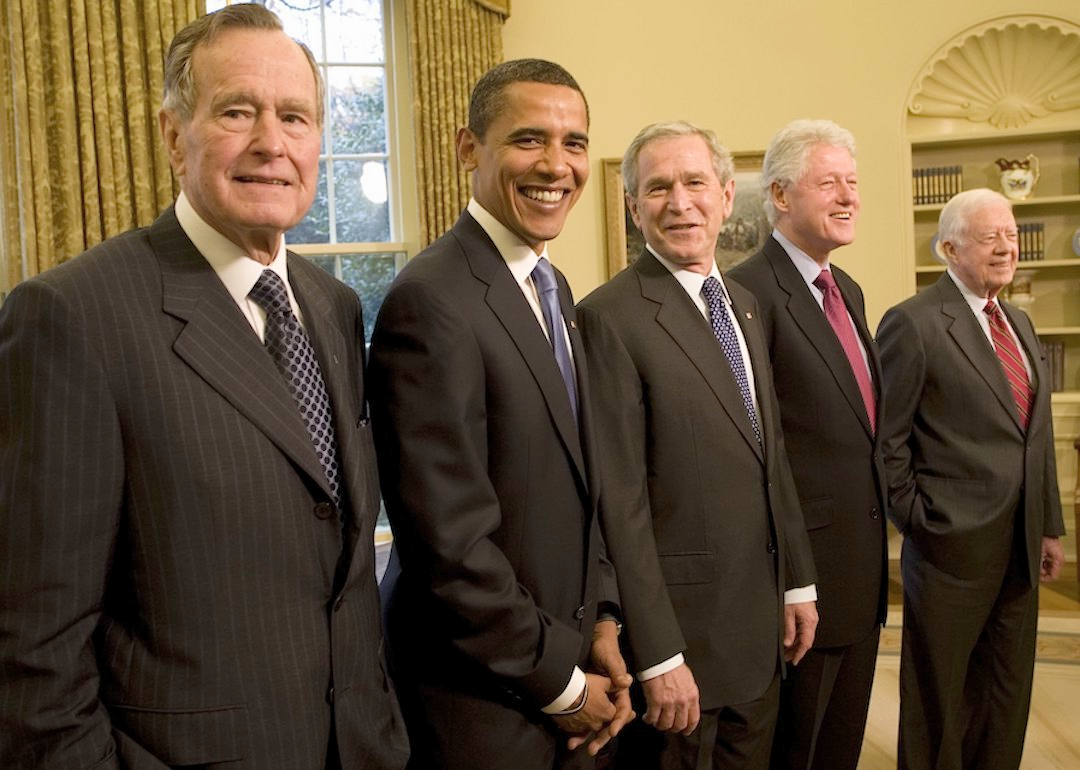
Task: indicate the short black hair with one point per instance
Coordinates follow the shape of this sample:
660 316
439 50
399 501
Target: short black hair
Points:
487 95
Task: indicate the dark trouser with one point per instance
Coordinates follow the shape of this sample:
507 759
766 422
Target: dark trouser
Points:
737 737
823 706
966 665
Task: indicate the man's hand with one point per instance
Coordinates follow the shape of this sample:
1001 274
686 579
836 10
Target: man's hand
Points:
607 659
673 701
800 624
1053 557
594 717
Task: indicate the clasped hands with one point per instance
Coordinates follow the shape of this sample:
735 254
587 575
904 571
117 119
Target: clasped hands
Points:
607 706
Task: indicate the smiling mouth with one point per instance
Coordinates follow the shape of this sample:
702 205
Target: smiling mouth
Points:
260 180
544 196
842 215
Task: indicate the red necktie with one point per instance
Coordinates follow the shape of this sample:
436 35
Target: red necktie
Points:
1011 361
837 314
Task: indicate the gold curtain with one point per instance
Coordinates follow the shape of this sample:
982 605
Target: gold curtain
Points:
82 159
451 44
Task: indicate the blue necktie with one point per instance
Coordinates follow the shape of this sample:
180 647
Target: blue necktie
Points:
291 350
543 276
724 329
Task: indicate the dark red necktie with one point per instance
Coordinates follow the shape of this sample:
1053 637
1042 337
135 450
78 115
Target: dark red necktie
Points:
837 314
1011 361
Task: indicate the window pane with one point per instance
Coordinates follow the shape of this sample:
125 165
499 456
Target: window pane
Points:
354 31
302 20
370 275
360 201
357 110
315 227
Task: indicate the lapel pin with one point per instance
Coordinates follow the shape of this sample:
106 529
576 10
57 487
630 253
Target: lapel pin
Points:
573 324
749 316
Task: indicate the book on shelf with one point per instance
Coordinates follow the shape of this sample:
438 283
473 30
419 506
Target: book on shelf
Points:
1054 352
936 184
1032 241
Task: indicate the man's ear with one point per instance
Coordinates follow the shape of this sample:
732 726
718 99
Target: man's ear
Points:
170 126
466 143
779 197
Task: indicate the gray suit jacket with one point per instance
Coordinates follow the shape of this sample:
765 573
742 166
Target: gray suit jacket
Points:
960 467
704 530
175 590
835 456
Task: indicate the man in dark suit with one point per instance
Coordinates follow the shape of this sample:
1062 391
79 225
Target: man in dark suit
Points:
484 429
827 375
188 578
700 512
969 451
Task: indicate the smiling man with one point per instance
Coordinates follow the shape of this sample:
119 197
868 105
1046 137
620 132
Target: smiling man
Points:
969 452
484 427
187 479
828 381
700 512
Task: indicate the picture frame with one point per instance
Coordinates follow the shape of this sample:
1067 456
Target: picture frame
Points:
744 233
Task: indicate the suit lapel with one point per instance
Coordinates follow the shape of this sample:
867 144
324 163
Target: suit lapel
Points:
679 317
806 314
506 301
217 342
969 336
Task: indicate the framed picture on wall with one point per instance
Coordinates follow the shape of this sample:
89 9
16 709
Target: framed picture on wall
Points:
744 233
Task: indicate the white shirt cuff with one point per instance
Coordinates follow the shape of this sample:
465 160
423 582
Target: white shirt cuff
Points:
662 667
569 695
801 595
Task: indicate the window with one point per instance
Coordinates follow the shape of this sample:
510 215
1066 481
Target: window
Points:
355 228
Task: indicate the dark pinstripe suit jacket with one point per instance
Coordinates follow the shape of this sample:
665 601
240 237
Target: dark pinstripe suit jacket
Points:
174 588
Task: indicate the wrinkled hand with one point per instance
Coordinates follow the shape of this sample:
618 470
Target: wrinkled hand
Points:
1053 557
607 659
594 717
800 624
673 701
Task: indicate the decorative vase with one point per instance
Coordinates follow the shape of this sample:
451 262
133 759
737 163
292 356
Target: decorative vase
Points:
1018 177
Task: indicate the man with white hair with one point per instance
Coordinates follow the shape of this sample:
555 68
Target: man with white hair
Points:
827 375
969 451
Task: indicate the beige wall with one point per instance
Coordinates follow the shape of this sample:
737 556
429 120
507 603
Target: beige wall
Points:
745 69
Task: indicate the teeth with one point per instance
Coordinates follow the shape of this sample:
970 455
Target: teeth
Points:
545 196
263 181
842 215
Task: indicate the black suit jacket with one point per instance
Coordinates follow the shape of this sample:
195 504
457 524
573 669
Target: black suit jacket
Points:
960 466
487 479
835 456
169 548
704 531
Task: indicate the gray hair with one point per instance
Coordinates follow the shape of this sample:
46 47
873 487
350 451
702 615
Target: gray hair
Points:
179 93
953 222
787 159
489 94
721 157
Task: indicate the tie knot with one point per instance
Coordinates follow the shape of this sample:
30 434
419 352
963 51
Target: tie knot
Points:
543 276
269 293
825 281
991 308
713 291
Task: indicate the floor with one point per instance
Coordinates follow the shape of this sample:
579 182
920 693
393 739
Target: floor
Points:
1053 740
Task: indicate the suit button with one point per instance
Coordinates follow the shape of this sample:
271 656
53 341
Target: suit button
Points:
874 514
579 613
338 602
324 510
330 696
771 547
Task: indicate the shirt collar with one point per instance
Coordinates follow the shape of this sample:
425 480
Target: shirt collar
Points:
975 302
517 254
808 268
233 266
690 280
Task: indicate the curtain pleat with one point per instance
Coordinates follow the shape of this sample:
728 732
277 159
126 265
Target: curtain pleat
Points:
82 156
451 44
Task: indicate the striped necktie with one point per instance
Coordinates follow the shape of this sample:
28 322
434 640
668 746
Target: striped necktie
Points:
1012 363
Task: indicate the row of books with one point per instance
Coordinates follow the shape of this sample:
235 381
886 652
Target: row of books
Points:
1032 241
937 184
1055 359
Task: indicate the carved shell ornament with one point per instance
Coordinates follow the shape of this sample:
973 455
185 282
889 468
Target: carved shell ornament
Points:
1005 72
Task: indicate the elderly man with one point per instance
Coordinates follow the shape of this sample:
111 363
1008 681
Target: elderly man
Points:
969 451
187 480
828 377
480 397
700 510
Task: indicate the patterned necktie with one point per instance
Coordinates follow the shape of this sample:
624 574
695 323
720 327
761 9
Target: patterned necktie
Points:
543 276
837 314
724 329
291 350
1011 361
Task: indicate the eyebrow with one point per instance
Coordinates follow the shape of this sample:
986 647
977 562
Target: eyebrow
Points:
526 131
221 101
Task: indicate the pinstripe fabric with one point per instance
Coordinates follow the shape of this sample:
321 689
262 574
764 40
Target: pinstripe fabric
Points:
167 555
